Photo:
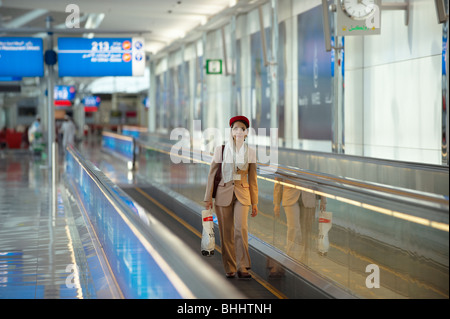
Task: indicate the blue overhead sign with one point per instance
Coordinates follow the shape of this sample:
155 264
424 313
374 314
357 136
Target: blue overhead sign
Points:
101 57
10 78
21 56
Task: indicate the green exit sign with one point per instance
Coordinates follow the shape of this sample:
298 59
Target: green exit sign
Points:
214 66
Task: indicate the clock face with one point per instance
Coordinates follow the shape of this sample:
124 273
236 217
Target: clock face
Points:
358 9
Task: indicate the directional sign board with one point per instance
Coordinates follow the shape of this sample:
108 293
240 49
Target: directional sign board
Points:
101 57
21 56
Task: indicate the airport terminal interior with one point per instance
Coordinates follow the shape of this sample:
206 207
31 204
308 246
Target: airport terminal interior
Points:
112 114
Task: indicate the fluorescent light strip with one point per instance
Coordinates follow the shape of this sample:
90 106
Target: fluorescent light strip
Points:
118 136
385 211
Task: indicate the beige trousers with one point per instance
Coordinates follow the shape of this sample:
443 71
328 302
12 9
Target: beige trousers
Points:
233 227
293 236
307 217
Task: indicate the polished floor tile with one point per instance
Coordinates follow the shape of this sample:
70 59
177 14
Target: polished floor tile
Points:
36 242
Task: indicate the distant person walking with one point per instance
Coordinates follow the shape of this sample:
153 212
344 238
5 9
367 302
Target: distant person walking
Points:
68 129
35 137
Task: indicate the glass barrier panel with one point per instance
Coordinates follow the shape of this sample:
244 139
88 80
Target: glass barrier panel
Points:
369 251
121 144
138 275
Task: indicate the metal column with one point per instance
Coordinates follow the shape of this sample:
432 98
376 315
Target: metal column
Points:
51 144
444 106
152 97
273 66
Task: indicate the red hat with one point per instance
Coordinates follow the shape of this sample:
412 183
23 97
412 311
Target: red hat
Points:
240 118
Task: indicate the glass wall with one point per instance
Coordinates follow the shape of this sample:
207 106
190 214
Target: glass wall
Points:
391 95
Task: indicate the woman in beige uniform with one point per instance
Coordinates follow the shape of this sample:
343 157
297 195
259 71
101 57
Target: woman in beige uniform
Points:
237 191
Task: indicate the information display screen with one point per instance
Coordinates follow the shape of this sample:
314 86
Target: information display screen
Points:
64 95
101 57
21 57
91 103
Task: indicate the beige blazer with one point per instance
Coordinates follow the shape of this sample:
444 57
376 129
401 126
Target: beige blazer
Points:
288 196
245 189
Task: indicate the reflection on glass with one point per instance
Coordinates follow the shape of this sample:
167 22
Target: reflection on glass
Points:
342 240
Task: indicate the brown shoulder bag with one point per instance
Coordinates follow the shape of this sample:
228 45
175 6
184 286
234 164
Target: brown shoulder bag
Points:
218 176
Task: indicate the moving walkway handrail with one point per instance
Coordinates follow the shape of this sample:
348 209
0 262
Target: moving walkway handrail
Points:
128 154
425 177
186 271
411 175
360 186
420 207
366 159
373 160
318 177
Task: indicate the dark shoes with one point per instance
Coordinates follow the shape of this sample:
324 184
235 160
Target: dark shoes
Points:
244 275
241 274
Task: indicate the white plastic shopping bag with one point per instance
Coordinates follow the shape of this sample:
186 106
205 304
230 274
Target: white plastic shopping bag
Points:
325 222
208 239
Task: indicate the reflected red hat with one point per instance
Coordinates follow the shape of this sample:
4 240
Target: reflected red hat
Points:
240 118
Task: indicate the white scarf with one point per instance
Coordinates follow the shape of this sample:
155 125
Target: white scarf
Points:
233 161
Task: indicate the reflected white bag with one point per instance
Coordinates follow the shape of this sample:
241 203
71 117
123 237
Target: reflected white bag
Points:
325 222
208 238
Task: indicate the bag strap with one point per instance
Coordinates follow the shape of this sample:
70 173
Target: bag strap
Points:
218 175
219 170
